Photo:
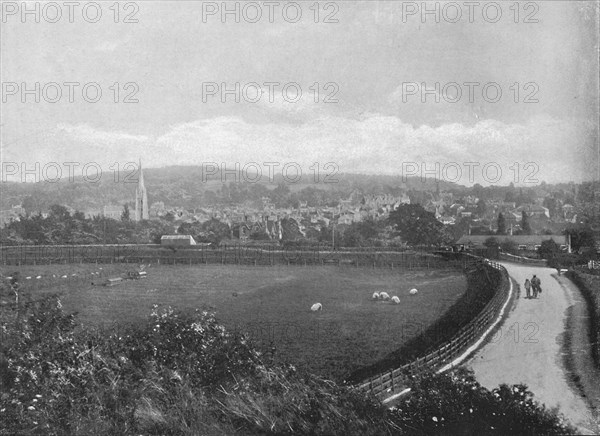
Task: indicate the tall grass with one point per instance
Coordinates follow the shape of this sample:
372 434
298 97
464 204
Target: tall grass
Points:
184 374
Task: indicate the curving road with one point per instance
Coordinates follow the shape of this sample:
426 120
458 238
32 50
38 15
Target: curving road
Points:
529 347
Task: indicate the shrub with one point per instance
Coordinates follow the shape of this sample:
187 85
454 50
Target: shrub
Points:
590 288
455 403
185 375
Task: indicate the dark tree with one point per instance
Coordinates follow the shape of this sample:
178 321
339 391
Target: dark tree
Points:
481 207
525 226
501 224
509 246
417 226
491 242
214 231
125 214
581 236
548 249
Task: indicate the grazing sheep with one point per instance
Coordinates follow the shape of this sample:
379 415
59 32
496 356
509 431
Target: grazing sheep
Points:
53 275
317 306
73 274
395 300
28 278
64 277
413 291
38 277
375 296
384 296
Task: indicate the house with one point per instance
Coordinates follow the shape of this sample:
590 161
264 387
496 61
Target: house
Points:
447 220
177 240
113 212
533 210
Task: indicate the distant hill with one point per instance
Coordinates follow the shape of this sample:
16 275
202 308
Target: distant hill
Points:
188 187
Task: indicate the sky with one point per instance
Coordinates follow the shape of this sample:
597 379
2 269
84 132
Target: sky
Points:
162 66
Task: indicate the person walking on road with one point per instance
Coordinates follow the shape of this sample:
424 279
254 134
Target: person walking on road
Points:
528 288
535 284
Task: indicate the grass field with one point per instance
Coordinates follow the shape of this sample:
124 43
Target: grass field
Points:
272 304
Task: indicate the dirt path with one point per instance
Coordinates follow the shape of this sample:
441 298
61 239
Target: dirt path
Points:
529 348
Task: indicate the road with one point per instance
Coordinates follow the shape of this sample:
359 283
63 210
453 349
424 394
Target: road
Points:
529 349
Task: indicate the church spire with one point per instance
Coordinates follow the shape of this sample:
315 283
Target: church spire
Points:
141 197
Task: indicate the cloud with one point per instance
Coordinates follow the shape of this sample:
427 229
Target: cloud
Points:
107 46
383 144
544 148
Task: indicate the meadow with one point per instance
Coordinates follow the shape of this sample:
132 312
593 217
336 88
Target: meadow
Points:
271 304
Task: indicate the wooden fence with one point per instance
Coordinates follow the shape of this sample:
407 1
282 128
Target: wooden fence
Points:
520 259
389 382
240 255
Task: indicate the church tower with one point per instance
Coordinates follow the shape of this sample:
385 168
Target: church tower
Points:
141 198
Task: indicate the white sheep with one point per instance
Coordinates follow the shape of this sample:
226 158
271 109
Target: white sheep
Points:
28 278
64 277
384 296
317 306
395 300
413 291
38 277
375 296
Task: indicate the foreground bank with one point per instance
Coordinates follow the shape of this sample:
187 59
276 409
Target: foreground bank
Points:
185 374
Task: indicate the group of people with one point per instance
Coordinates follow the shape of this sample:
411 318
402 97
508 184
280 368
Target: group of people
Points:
533 285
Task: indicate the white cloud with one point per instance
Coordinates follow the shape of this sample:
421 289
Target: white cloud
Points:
376 144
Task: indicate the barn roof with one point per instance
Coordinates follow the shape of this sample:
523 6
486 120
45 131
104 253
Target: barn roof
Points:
517 239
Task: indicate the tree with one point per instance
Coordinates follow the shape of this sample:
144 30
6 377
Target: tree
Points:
194 229
548 249
501 224
481 207
214 231
417 226
525 226
581 236
491 242
509 246
125 214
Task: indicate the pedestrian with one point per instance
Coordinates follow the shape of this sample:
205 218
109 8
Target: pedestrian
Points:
528 288
535 284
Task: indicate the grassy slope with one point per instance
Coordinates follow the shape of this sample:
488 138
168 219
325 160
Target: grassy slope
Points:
273 304
590 287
